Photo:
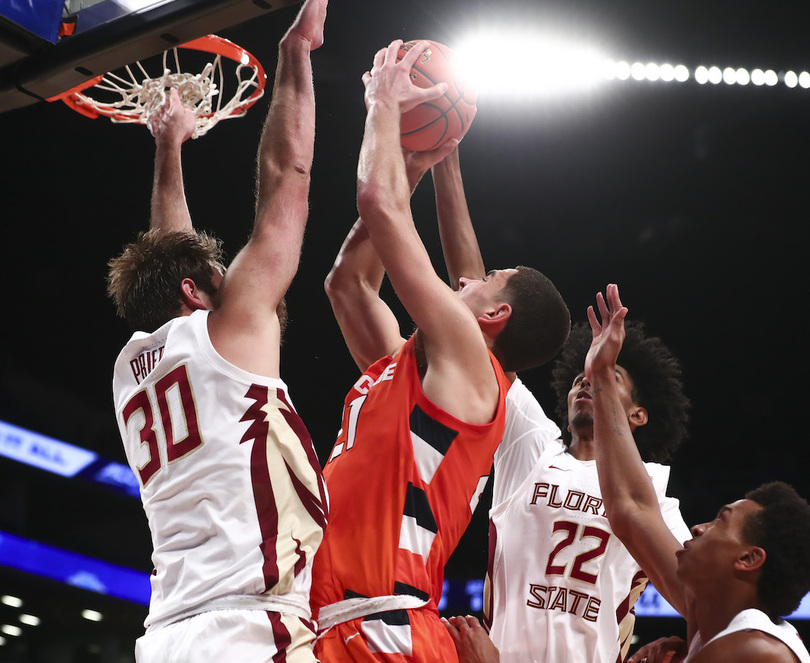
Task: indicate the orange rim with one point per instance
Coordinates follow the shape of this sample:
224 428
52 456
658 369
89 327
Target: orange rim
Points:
207 44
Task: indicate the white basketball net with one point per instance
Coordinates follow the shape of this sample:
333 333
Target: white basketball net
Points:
141 98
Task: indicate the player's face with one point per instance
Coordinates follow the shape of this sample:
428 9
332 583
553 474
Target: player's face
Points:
710 554
481 294
580 402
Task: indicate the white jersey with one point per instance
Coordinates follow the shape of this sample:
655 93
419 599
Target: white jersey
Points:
562 586
756 620
229 478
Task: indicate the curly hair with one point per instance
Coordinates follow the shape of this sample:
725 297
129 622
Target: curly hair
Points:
657 387
782 529
539 323
144 281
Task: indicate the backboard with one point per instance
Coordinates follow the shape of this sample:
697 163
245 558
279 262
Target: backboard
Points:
51 46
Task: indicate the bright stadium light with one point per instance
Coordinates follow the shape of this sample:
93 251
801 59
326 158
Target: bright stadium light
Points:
537 65
681 73
652 72
92 615
622 69
545 65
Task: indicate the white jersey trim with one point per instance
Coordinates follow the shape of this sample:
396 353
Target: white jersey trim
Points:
354 608
284 604
756 620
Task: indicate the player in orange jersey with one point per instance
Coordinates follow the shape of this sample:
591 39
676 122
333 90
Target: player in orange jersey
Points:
421 424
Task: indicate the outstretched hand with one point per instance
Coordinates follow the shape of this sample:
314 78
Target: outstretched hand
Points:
308 25
608 331
472 642
391 80
173 123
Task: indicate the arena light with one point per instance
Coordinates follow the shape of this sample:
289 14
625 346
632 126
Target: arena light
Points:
29 620
11 601
538 65
92 615
10 629
546 65
71 568
67 460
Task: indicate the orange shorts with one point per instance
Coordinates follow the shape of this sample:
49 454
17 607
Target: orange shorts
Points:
398 636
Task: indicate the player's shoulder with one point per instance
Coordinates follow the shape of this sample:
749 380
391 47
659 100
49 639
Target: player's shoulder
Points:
748 646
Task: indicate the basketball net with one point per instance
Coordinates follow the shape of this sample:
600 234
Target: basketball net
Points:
135 95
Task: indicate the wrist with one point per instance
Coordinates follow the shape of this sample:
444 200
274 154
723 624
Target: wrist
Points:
602 376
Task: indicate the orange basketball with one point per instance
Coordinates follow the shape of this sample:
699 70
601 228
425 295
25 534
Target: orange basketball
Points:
430 124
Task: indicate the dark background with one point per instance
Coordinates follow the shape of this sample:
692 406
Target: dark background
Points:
692 198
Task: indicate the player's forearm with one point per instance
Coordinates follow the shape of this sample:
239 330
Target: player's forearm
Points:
169 210
462 254
382 181
626 487
287 144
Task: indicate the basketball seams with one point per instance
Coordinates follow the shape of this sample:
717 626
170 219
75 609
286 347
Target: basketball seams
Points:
430 124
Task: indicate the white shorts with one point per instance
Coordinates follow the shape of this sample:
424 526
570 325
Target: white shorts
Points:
230 635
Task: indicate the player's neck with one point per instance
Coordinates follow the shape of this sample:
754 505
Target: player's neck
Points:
717 605
582 446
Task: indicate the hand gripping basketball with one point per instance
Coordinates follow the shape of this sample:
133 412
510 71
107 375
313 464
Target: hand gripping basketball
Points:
389 80
433 122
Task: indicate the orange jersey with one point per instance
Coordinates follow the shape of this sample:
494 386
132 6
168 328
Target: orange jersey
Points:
403 479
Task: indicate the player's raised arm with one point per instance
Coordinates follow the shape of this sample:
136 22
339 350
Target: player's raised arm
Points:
245 329
462 255
459 376
369 327
172 125
627 490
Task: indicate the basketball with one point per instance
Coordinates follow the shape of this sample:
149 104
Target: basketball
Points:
431 124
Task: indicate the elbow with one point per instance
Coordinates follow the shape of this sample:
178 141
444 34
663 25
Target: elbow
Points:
369 200
292 170
331 284
340 282
619 523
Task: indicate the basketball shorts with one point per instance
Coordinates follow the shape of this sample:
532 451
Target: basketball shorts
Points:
221 636
398 636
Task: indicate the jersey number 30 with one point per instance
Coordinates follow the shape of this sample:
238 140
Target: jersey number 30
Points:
175 386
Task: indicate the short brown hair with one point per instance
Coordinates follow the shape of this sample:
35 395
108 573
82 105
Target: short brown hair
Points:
538 326
144 281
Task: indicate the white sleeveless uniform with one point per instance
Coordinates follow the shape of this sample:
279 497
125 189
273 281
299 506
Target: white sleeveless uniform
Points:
229 478
562 586
756 620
